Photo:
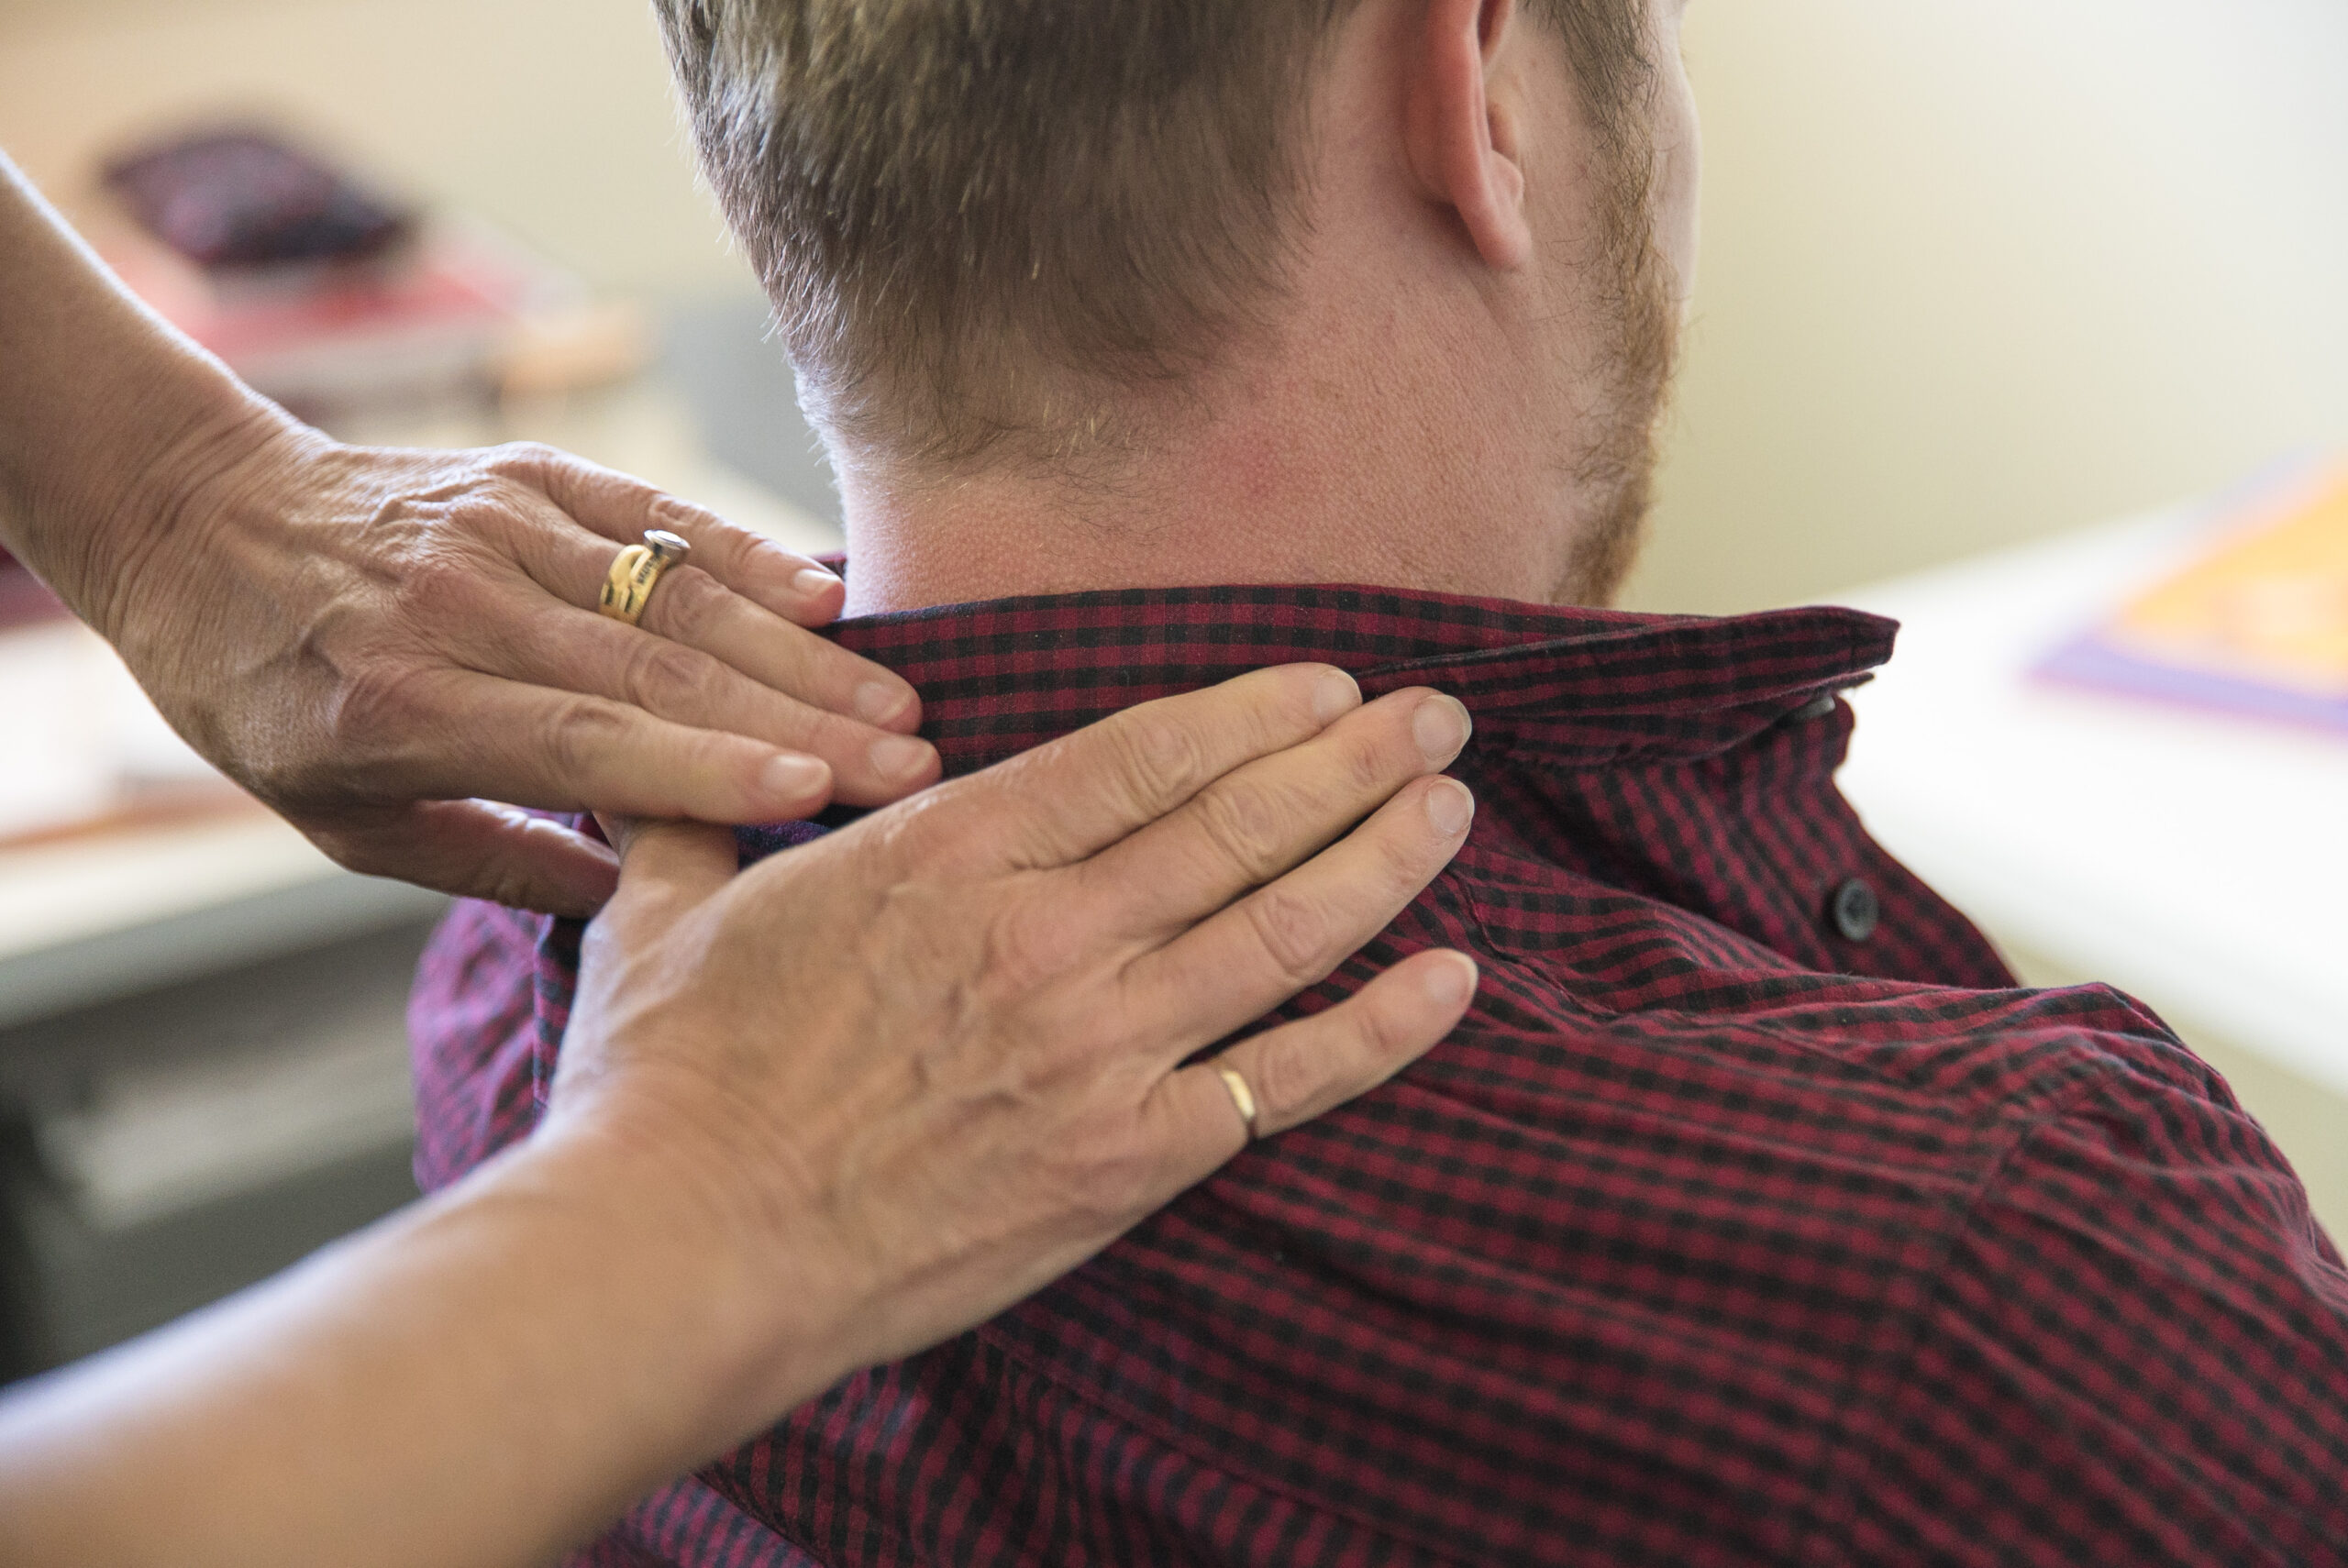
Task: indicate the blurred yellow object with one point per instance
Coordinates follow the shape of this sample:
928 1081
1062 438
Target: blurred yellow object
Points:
2270 604
2254 623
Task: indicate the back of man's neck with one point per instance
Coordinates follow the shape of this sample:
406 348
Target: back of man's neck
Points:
1400 448
1245 512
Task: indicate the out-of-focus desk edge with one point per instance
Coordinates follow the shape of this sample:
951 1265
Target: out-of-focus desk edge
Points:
86 921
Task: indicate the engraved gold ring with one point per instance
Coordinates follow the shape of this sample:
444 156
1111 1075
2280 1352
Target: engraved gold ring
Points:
637 571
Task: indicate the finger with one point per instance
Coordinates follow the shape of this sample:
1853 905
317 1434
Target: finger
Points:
1064 802
563 751
1301 1070
672 859
1257 821
1273 943
694 605
622 508
571 650
476 849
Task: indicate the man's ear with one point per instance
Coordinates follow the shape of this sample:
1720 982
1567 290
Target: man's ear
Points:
1463 141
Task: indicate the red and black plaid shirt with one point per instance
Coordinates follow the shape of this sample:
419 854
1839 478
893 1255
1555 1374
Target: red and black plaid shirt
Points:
1753 1216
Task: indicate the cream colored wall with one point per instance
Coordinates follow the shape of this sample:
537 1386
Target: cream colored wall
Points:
1975 269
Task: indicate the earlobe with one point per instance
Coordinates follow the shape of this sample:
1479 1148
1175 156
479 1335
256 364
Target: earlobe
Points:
1462 137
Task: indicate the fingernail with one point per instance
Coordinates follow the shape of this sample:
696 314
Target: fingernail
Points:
878 702
792 778
1335 693
1450 985
1451 806
812 580
1441 726
899 758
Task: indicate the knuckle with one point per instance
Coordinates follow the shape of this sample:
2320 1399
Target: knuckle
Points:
1406 859
505 884
384 700
438 582
1245 824
710 534
1026 947
665 676
1289 928
523 457
1365 766
1156 755
485 516
1109 1173
916 831
1286 1077
689 605
580 731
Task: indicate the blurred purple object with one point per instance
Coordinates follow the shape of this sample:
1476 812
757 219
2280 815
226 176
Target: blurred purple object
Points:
244 198
24 598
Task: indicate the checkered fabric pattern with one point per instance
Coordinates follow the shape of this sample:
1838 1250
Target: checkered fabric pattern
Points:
1733 1226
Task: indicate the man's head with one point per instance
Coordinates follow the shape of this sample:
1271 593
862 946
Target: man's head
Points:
1060 239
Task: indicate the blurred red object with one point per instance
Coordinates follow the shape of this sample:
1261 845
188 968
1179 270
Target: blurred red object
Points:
428 323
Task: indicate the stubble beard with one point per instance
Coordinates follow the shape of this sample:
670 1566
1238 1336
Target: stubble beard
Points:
1613 468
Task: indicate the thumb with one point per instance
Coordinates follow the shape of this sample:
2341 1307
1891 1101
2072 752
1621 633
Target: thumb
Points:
475 849
681 860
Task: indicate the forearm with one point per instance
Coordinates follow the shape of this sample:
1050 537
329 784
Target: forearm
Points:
483 1380
105 411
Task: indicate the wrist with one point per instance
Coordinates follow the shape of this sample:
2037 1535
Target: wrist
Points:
749 1310
103 408
177 499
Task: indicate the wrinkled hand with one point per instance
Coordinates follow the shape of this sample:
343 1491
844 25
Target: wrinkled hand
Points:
379 644
939 1051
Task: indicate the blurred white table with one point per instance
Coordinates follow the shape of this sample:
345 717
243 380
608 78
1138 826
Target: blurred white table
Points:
2196 861
86 921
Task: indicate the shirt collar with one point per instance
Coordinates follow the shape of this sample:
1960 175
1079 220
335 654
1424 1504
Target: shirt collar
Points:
1569 686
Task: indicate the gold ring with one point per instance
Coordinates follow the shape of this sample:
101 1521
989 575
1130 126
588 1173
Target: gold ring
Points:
635 571
1241 1096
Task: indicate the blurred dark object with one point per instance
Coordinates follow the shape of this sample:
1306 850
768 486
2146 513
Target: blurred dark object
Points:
332 299
246 198
24 598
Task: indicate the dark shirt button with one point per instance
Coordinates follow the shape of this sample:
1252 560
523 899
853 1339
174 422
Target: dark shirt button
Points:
1856 909
1817 707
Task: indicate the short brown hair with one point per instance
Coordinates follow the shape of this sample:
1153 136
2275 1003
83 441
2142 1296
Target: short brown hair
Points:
976 218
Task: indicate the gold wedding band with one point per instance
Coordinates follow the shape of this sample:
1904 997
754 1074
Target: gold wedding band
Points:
1241 1096
635 571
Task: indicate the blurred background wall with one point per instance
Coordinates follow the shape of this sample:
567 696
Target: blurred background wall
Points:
1975 269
